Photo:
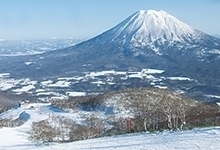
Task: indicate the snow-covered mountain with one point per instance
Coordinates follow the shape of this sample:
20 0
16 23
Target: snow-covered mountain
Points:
153 39
146 27
159 32
146 39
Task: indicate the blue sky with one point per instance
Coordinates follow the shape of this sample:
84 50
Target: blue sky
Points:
34 19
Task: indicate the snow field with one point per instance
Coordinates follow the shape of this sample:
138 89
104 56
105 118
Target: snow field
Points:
17 138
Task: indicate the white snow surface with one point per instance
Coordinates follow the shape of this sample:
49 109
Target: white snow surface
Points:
60 84
156 24
145 73
197 139
24 89
2 75
149 26
102 73
136 75
11 114
28 63
213 96
17 137
48 87
74 94
161 87
180 78
215 51
152 71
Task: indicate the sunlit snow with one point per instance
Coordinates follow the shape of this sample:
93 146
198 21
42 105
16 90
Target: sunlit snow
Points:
24 89
28 63
17 137
74 94
60 84
180 78
148 26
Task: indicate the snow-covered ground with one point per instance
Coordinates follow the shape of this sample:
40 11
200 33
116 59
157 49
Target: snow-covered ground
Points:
17 138
74 85
198 139
49 86
73 94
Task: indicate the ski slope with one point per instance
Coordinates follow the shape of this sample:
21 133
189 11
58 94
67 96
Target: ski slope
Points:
17 138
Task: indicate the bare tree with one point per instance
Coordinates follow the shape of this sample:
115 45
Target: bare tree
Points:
42 132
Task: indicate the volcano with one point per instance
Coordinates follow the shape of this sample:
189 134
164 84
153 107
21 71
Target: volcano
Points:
146 39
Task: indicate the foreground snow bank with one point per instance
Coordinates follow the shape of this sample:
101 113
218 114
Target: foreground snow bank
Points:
206 138
17 138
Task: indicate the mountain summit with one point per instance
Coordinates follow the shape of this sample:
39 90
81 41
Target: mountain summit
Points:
158 31
147 26
146 39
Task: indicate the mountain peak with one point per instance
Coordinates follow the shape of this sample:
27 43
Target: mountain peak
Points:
150 11
147 26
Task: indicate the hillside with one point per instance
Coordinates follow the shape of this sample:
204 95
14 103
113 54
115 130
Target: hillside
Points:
44 125
197 139
149 108
8 100
147 39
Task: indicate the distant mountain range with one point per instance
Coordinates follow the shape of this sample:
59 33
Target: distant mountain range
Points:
146 39
31 47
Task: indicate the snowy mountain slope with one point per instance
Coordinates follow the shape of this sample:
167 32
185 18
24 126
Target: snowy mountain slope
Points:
157 31
17 137
138 41
207 138
146 39
146 27
9 100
